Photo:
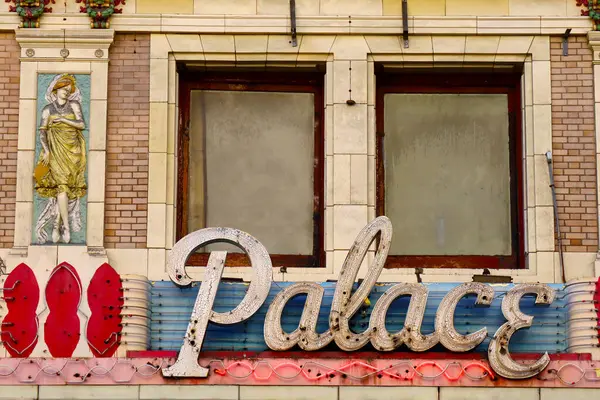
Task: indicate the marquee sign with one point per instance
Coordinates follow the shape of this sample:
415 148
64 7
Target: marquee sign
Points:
346 303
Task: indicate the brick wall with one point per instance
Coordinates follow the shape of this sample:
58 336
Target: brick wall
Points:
9 121
574 143
127 142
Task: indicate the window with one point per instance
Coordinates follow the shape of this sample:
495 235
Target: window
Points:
251 157
449 168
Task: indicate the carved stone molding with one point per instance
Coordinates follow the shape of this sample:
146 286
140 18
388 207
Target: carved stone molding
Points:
50 44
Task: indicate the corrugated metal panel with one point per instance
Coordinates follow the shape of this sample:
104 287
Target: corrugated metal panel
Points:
171 308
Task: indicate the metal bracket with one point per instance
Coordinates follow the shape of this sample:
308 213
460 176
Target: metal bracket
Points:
405 23
565 42
293 22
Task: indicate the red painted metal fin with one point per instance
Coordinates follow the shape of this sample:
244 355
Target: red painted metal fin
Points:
20 325
63 295
105 298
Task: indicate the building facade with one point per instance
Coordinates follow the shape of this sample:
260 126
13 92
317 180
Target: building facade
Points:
127 125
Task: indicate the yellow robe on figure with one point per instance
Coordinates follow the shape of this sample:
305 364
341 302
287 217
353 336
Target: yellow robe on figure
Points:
66 167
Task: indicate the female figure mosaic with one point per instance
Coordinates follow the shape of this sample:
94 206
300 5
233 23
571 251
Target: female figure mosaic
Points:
60 171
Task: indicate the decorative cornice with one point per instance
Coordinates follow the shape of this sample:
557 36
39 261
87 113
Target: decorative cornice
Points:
334 25
100 11
60 44
30 11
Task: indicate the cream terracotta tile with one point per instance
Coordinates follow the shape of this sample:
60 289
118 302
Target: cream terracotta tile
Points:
358 179
538 7
482 44
540 48
171 183
157 216
476 7
283 44
515 44
530 182
316 43
158 127
542 129
350 48
541 83
356 7
329 130
384 44
159 80
241 7
419 44
544 228
96 164
277 7
341 179
350 131
99 81
348 222
218 43
97 125
430 7
251 43
543 192
329 229
28 83
25 163
157 178
341 81
329 181
185 43
27 124
159 46
23 222
449 44
95 225
164 7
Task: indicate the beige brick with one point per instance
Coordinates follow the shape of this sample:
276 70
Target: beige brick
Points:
127 138
9 131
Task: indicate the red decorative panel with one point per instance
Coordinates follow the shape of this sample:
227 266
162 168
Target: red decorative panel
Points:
597 305
105 297
20 325
63 295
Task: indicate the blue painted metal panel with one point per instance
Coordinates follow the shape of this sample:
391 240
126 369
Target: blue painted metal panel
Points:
171 307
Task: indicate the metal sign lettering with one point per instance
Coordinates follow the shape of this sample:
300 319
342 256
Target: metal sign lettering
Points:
345 305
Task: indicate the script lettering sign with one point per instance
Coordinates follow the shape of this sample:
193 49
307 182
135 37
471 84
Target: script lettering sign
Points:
346 303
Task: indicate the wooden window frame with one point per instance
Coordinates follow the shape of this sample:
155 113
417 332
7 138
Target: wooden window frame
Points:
249 81
458 82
